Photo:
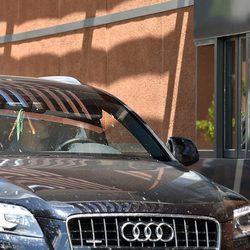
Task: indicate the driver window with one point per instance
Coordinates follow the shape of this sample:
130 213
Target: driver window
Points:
119 137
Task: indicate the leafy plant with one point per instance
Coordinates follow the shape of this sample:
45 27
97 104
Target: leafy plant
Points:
208 126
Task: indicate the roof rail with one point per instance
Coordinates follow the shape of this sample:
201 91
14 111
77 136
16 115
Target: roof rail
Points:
65 79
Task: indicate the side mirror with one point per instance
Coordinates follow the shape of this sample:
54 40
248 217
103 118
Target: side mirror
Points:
184 150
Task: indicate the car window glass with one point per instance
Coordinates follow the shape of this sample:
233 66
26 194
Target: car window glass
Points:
119 137
37 118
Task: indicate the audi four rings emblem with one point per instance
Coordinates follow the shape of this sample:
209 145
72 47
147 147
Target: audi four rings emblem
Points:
150 231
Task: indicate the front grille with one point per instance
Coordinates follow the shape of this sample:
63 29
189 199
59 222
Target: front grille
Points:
135 231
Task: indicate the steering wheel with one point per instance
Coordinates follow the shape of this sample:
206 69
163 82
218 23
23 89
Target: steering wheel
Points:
72 141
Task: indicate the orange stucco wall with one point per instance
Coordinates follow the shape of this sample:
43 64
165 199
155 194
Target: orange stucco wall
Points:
147 62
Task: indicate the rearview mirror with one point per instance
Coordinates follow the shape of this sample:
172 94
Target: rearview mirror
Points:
184 150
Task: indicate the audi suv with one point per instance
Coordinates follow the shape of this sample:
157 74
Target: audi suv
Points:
80 170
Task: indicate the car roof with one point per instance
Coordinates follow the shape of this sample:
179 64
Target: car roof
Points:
59 81
25 92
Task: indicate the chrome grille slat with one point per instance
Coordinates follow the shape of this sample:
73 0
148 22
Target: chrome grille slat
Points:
117 232
175 234
207 237
80 231
196 233
186 233
104 231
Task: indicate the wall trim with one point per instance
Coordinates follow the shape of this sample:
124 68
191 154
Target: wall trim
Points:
97 21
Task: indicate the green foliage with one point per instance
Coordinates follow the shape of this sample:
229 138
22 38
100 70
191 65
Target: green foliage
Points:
207 126
244 88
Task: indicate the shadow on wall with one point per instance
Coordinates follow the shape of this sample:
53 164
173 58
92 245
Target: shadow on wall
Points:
18 11
147 55
179 58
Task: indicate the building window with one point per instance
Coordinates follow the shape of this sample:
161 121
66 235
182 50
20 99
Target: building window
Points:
224 90
235 97
205 115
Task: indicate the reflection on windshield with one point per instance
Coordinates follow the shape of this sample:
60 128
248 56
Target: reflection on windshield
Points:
33 132
50 117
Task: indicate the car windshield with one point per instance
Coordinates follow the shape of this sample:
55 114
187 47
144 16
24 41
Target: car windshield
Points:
39 119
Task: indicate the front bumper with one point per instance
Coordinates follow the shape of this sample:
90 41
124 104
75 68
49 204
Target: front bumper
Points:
56 238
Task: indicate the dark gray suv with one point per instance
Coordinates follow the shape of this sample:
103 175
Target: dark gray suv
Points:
80 170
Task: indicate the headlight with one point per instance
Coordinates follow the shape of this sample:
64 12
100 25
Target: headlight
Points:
18 220
241 222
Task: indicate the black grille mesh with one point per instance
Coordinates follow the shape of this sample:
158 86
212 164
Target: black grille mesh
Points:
104 231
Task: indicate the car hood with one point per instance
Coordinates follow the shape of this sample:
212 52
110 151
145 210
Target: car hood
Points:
70 185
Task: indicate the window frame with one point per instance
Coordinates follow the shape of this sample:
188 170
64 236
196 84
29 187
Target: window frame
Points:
206 153
238 152
219 78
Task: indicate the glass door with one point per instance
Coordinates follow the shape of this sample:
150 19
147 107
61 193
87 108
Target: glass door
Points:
235 97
